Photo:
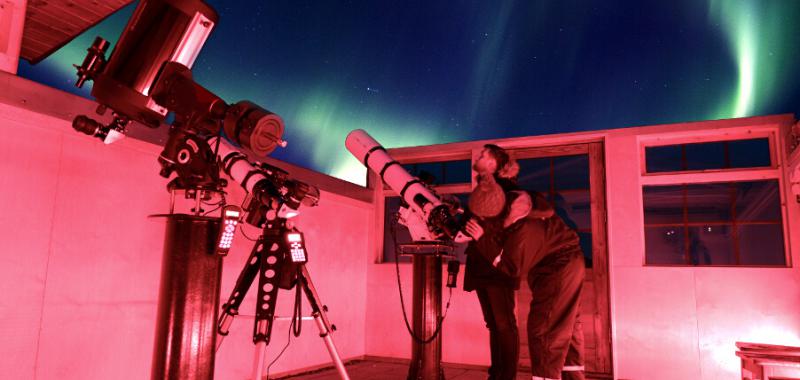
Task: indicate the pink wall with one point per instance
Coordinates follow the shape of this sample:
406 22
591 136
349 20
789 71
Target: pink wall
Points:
682 323
80 261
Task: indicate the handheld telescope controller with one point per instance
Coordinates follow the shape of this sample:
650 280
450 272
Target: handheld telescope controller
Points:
420 199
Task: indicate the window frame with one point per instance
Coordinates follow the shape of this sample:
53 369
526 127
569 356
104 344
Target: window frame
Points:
689 177
550 152
472 154
707 137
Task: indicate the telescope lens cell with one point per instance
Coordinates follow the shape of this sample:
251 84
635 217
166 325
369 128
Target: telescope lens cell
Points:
263 139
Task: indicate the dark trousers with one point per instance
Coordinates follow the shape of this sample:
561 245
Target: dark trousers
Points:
497 305
555 336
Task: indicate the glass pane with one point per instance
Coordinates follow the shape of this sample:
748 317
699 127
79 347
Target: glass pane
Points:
586 247
710 238
711 245
705 156
571 172
749 153
442 172
755 201
709 202
758 201
392 204
574 207
761 244
663 204
428 172
663 158
665 245
534 174
457 171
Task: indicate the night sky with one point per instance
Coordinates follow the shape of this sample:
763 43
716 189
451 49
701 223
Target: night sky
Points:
423 72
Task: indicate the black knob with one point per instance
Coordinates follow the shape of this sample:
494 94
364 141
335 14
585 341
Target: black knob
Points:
84 124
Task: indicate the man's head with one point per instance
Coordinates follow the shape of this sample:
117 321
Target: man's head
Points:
488 198
492 159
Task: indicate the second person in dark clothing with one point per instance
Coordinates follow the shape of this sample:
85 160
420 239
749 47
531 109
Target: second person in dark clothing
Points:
495 290
518 235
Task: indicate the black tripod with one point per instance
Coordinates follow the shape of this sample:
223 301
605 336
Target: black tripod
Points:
279 258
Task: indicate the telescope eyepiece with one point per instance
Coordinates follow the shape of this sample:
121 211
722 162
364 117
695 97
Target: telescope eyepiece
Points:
87 125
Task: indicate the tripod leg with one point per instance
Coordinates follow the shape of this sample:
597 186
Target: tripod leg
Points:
259 359
325 334
231 308
325 327
270 273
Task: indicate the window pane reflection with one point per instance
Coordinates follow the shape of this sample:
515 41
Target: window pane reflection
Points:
575 208
709 202
761 244
665 245
733 223
663 204
564 181
755 201
534 174
711 245
573 172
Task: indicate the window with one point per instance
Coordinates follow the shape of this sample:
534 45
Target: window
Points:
564 180
442 173
735 223
708 156
720 218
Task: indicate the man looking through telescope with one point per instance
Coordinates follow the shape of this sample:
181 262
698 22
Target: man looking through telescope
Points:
515 234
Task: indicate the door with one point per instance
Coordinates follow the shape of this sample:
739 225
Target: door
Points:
572 178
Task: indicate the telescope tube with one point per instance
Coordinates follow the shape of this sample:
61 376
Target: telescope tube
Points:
263 183
370 153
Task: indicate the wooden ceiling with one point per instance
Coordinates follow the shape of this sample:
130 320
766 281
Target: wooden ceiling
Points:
51 24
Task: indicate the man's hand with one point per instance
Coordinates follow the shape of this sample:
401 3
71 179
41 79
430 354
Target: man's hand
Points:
474 229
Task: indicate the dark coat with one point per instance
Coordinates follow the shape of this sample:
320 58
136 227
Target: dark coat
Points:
523 245
479 271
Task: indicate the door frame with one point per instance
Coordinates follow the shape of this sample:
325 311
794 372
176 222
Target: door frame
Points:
600 255
521 148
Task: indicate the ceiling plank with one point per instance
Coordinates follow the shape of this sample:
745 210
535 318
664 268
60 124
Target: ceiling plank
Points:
49 25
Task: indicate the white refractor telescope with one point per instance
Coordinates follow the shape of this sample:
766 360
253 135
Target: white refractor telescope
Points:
424 213
264 182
